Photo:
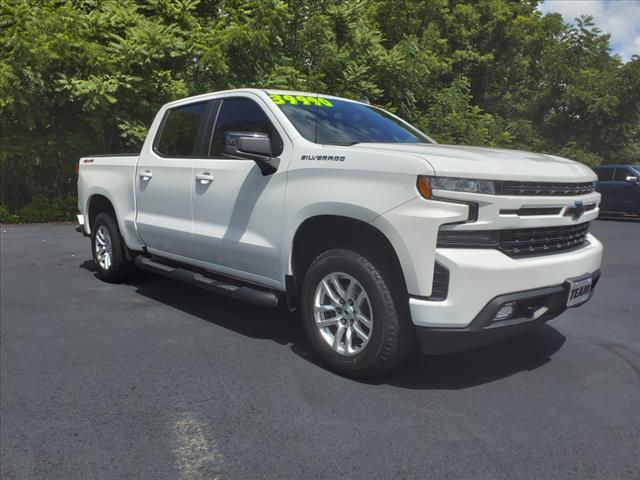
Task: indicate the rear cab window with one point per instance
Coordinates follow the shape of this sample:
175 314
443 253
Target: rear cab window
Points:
182 131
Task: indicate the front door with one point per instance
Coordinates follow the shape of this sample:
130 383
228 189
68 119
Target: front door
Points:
625 193
237 212
164 179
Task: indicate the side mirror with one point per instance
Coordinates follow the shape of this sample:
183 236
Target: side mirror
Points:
254 146
632 179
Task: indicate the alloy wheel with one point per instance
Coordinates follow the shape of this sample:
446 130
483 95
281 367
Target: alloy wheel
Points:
103 248
343 313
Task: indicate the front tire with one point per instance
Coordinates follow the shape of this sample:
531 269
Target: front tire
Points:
355 320
108 250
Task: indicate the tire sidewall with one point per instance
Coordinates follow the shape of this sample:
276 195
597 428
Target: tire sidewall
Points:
383 317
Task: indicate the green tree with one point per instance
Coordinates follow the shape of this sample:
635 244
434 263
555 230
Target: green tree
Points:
84 76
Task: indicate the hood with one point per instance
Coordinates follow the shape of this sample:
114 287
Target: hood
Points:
490 163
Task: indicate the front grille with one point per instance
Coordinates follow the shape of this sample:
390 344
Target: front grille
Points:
546 189
517 242
529 241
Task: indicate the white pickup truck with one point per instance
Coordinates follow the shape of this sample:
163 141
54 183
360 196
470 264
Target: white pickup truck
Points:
382 238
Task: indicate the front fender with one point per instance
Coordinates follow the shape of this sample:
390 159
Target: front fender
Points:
338 209
412 229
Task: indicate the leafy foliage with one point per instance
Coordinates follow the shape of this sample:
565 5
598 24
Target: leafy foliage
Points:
85 76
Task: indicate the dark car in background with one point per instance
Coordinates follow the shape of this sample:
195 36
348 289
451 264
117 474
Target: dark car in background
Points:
620 189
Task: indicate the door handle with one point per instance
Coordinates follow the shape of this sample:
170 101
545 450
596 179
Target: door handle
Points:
146 175
204 178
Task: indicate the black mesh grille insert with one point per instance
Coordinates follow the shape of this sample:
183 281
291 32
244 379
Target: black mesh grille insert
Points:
440 287
547 189
529 241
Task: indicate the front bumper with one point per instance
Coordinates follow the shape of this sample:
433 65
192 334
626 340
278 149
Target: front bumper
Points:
535 307
479 276
476 276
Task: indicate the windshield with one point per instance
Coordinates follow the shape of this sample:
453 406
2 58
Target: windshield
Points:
340 122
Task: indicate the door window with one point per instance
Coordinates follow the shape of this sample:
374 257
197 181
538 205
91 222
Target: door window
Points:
182 130
242 115
621 175
604 174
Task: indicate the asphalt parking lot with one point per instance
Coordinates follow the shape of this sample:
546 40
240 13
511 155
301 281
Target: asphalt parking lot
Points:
155 379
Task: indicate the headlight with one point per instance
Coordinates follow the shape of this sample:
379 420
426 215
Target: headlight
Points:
468 185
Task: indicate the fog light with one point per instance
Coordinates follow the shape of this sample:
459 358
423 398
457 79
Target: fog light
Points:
505 311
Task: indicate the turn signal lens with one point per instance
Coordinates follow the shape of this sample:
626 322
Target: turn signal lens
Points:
424 186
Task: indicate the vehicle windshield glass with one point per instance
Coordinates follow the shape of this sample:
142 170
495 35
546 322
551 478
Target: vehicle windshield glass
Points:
340 122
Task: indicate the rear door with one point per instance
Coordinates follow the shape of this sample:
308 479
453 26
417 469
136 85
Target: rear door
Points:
164 179
237 212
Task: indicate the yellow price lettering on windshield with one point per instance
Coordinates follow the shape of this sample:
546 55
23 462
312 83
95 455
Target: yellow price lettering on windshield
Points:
305 100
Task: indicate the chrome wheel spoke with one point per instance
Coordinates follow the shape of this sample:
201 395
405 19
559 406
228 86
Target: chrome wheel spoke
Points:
335 298
337 338
328 322
360 332
348 346
324 308
364 320
335 283
351 289
360 298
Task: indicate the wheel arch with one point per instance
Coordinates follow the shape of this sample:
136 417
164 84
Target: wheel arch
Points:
100 200
311 239
97 204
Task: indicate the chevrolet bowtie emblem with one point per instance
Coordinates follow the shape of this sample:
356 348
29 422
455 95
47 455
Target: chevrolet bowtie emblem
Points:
575 211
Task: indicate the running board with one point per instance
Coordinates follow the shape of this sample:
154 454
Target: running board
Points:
245 293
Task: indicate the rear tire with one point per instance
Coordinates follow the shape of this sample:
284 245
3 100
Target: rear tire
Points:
108 249
355 319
